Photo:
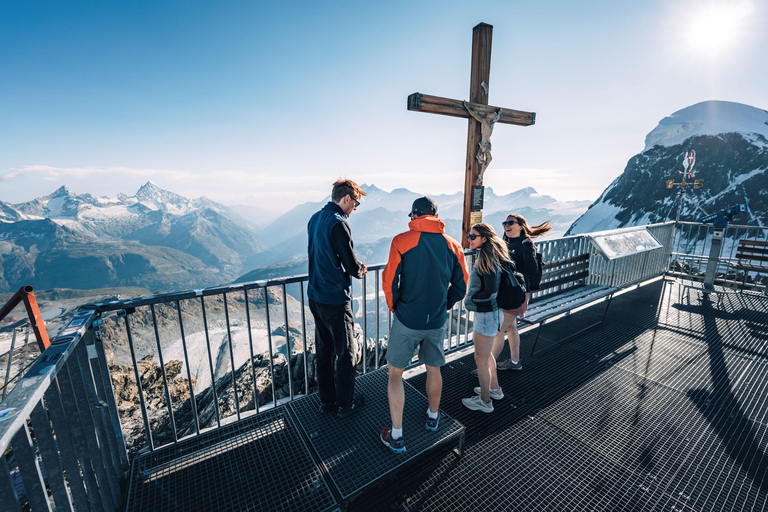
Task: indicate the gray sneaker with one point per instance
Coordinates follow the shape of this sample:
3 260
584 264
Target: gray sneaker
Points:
496 394
476 404
509 365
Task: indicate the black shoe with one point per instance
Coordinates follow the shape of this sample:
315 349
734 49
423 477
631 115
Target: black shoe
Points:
325 408
357 404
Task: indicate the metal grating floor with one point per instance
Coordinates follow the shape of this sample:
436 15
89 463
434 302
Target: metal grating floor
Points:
350 450
257 463
662 407
636 414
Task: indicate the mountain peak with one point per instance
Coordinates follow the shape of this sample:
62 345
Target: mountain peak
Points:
149 189
707 118
61 191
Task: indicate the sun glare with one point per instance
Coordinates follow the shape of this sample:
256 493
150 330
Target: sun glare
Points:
716 28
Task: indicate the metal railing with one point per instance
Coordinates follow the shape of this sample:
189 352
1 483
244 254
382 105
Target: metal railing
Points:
219 354
59 420
140 374
692 245
16 360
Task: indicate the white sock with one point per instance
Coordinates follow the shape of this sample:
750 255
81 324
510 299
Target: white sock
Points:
397 433
496 389
513 362
431 414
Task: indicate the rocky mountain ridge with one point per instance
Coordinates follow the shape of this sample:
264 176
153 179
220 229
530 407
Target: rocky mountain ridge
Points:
731 145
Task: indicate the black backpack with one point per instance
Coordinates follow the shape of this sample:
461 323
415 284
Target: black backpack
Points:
511 294
536 274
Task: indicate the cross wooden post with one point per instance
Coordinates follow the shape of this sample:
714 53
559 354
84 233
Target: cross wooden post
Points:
478 103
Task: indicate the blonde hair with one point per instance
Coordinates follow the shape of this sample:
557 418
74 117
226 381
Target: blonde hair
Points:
343 187
492 252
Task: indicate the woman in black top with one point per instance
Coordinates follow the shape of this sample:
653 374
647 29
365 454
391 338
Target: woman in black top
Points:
522 251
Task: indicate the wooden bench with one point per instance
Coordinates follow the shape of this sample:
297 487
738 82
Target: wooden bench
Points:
753 257
564 285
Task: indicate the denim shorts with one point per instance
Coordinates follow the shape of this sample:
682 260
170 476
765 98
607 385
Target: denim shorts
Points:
404 341
488 324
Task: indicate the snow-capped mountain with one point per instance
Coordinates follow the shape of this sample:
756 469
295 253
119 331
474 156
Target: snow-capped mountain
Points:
731 145
383 214
155 239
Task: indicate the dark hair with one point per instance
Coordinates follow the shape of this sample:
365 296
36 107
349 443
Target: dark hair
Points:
530 232
346 187
492 252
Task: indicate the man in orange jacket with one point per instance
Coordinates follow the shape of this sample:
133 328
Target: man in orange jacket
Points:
425 276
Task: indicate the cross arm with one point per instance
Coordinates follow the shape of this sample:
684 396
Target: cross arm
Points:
448 107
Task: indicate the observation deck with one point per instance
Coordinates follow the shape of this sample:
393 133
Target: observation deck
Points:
661 406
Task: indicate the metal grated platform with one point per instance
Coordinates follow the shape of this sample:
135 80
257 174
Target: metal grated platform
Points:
350 450
633 415
258 463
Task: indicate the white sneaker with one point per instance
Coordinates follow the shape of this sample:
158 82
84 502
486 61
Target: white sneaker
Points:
495 394
476 404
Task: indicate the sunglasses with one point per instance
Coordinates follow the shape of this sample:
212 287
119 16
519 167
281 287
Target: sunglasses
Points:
509 223
472 236
357 203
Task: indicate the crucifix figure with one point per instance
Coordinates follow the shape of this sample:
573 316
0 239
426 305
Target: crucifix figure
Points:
482 118
484 146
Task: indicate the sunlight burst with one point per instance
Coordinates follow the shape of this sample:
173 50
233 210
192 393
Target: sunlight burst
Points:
714 30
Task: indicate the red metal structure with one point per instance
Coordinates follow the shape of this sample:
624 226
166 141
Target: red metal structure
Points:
27 296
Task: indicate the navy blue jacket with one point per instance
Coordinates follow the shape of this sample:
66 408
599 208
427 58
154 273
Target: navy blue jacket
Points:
331 257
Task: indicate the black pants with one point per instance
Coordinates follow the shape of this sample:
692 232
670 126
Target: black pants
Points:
334 344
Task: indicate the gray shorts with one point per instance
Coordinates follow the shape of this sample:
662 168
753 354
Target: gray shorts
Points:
488 324
403 343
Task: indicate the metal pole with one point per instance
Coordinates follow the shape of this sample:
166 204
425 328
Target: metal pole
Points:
8 366
231 357
304 337
365 326
193 401
288 347
377 317
165 377
142 402
210 363
269 339
250 345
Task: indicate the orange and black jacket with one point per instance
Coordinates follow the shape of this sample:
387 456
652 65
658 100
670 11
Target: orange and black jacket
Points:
426 274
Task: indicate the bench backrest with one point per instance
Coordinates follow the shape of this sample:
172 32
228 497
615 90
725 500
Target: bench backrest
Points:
565 271
754 250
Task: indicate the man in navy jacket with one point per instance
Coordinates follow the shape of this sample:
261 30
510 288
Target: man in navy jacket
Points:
331 263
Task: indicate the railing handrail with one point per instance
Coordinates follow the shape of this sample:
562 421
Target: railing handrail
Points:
23 398
279 281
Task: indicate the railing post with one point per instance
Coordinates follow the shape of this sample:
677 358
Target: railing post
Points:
29 469
8 499
232 358
250 346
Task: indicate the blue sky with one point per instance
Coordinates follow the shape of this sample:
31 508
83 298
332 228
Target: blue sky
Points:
267 103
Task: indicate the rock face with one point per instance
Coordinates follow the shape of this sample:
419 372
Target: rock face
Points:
731 145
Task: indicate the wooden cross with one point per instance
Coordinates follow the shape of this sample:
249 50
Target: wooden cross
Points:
478 102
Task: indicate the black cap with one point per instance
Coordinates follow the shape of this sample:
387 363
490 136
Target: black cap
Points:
423 206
